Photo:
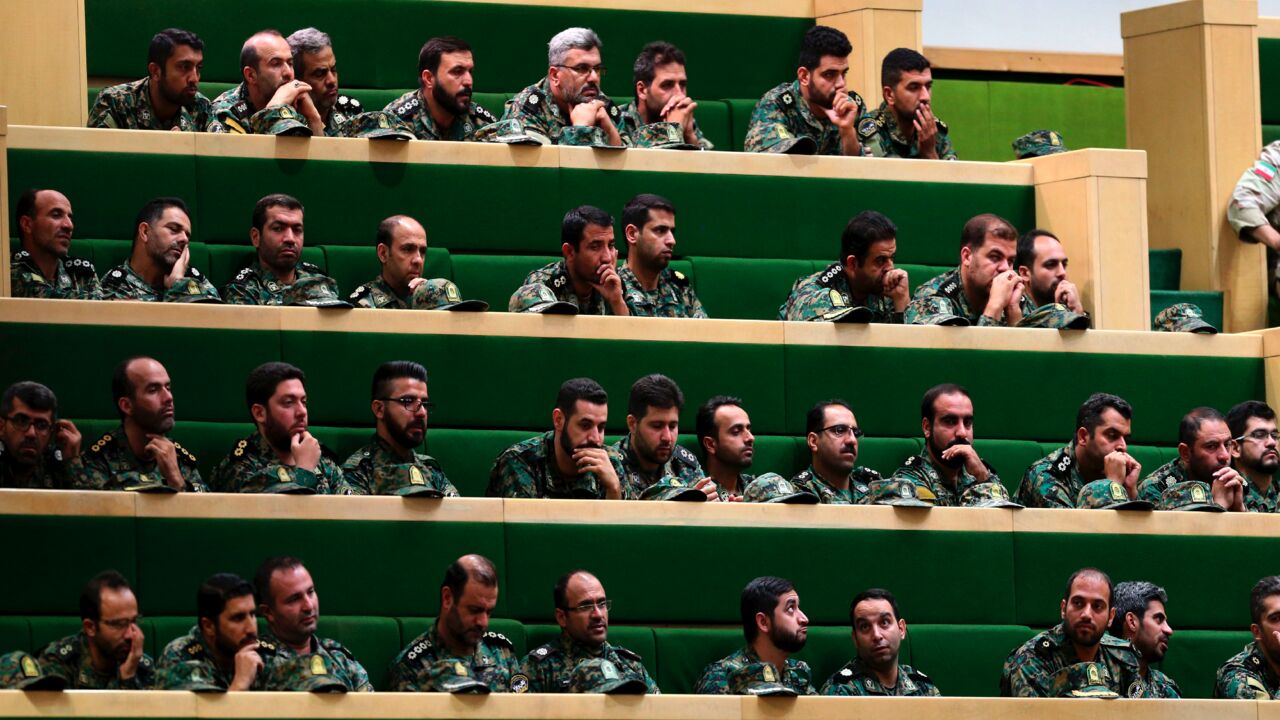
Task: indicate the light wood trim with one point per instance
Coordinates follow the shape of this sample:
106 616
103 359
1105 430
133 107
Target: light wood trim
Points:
772 8
42 61
1190 13
99 704
1090 162
35 137
1026 61
823 8
320 507
1269 27
68 502
1270 341
5 289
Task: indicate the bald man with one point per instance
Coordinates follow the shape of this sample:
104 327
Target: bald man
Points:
269 100
402 250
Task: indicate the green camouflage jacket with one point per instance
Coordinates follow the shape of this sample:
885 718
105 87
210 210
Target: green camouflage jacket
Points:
345 666
1054 481
1256 200
715 678
186 662
1029 670
549 668
363 470
858 680
920 470
682 465
536 111
344 109
782 117
493 663
74 279
50 474
233 109
878 131
816 296
252 467
1261 501
1160 685
1168 474
528 470
857 493
673 298
551 282
432 294
941 300
1247 676
111 465
128 107
122 283
257 285
642 135
69 659
410 108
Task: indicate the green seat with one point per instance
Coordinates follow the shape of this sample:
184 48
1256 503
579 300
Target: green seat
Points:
227 260
374 641
965 106
493 278
747 289
355 266
1194 656
884 455
964 660
1010 458
1209 302
716 122
166 629
829 648
467 455
683 653
48 628
918 275
15 634
1268 73
638 640
740 117
1165 269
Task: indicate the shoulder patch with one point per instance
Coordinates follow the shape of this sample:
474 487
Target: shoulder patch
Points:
244 273
912 461
407 109
349 104
787 99
496 638
685 455
534 102
359 292
78 266
267 645
627 653
21 255
479 111
185 453
679 278
310 267
868 126
1044 647
542 653
828 276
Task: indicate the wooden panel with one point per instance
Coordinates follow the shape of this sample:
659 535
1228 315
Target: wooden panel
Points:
42 62
1027 61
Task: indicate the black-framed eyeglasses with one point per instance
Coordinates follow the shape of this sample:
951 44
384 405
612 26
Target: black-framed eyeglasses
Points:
1260 435
122 624
21 422
584 69
410 403
840 431
586 607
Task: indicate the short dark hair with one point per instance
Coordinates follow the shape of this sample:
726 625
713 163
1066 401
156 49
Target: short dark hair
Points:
560 589
1133 596
1026 255
577 220
155 208
651 57
91 595
386 230
395 370
166 41
874 594
932 394
249 53
975 232
1237 417
1089 416
216 590
704 422
899 61
1190 425
1263 589
288 202
262 578
863 229
121 386
820 41
760 595
818 414
575 389
457 575
637 210
433 49
654 391
1086 571
264 379
32 394
25 207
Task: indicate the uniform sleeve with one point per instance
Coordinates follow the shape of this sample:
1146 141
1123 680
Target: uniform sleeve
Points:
239 294
1040 489
837 689
1237 683
402 676
1023 677
581 136
92 474
332 474
188 287
541 677
1150 490
102 114
195 483
511 477
695 307
714 681
930 310
443 484
767 129
1257 194
359 676
357 479
944 147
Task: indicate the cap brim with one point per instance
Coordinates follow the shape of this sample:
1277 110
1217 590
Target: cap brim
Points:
800 498
466 306
1133 505
328 686
1077 322
1202 507
771 690
329 304
1099 693
290 489
44 682
998 503
796 146
418 491
850 315
675 146
628 686
152 488
1203 328
391 135
558 307
198 300
465 686
903 502
674 494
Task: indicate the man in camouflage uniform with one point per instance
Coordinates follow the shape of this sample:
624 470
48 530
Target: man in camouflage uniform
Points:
984 290
402 250
270 100
138 454
280 456
168 98
389 465
441 108
1042 264
314 64
570 461
651 288
586 281
107 652
1097 451
28 423
1254 672
904 126
1204 456
649 451
42 268
1254 453
1140 618
661 115
815 114
20 670
287 599
277 235
864 277
949 467
724 433
832 434
221 650
878 630
582 612
159 269
1254 212
1086 610
774 628
460 634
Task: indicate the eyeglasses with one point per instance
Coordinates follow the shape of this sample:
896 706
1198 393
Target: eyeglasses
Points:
410 403
584 69
122 624
586 607
1260 435
21 422
839 431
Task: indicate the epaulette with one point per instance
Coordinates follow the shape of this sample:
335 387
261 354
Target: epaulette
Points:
1045 647
787 99
846 674
1113 641
310 267
267 646
238 453
430 462
497 638
242 275
185 453
867 475
407 109
912 461
66 646
627 653
942 126
543 653
916 674
418 648
685 455
348 104
193 273
115 277
336 647
535 101
612 109
479 111
21 256
1062 468
559 278
679 278
326 451
101 443
79 266
804 476
193 649
833 271
240 108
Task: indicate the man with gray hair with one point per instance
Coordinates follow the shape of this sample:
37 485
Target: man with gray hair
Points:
1141 619
566 107
28 422
343 116
269 100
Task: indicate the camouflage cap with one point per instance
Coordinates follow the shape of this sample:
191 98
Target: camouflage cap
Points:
1085 679
1189 495
1056 316
280 120
441 294
902 493
150 483
757 678
1108 495
672 488
511 132
599 675
1183 317
309 673
773 488
538 298
406 479
193 676
287 483
987 495
376 125
315 291
937 311
662 136
452 676
21 671
1039 143
854 314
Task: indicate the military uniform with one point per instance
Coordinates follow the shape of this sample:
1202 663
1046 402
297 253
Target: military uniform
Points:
236 113
73 279
782 120
1261 501
856 679
715 678
367 467
659 134
1247 676
538 114
920 470
1256 199
127 106
69 659
122 283
1162 686
343 111
1153 486
1029 670
880 134
50 473
339 660
256 285
430 295
1054 481
549 668
528 470
111 465
672 298
493 663
942 301
860 479
825 294
551 283
682 465
186 663
252 467
410 108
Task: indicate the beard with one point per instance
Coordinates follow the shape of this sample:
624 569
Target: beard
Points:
470 636
791 642
456 104
1266 464
228 649
569 447
954 462
404 434
155 422
278 436
181 98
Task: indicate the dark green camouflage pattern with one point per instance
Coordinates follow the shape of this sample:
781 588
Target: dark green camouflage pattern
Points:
858 492
682 465
252 467
920 470
672 298
1054 481
127 106
74 279
1162 478
655 135
1030 669
551 283
942 301
257 285
537 113
549 668
857 680
376 470
782 120
879 133
715 679
234 110
69 659
340 662
20 670
822 295
1255 500
187 663
493 663
111 465
1247 676
122 283
411 109
50 473
431 295
528 470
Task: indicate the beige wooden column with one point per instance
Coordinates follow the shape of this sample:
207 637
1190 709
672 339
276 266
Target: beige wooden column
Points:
1192 102
5 290
1095 202
43 78
874 27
